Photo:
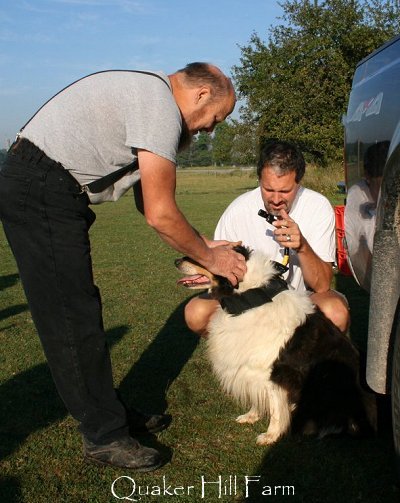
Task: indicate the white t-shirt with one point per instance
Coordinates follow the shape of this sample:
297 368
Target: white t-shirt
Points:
311 211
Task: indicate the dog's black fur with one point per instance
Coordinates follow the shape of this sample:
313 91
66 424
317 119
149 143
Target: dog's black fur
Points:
319 368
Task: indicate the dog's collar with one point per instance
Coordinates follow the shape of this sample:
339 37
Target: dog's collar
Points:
241 302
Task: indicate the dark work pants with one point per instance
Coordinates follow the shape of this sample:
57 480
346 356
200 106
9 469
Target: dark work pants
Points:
46 221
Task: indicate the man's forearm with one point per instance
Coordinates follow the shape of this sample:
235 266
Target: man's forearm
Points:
158 179
219 259
317 273
176 231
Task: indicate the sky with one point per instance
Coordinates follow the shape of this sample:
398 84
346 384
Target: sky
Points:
47 44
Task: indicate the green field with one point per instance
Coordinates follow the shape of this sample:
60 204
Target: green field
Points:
159 365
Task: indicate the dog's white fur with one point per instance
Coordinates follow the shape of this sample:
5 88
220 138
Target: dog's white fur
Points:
243 348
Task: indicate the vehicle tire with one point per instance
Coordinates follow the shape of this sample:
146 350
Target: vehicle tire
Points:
395 396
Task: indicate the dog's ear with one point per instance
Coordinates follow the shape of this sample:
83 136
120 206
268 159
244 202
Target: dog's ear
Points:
243 250
279 268
223 289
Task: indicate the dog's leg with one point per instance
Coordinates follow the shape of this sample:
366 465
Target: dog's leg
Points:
250 417
280 415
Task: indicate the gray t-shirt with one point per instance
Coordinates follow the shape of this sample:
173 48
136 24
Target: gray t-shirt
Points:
94 126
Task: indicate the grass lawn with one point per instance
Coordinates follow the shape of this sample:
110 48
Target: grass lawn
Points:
159 365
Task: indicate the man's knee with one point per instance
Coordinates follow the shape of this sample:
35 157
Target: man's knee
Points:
335 307
192 315
339 314
198 313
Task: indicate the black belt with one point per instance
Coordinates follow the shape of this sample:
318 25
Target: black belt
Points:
29 152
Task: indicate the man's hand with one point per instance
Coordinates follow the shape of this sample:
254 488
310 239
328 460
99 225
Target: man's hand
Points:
287 232
226 262
212 243
317 273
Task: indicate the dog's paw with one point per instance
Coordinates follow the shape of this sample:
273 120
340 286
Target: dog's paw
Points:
267 438
250 417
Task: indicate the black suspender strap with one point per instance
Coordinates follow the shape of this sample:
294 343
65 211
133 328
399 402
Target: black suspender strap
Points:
106 181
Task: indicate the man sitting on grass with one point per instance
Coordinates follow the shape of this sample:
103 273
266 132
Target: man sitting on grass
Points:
305 225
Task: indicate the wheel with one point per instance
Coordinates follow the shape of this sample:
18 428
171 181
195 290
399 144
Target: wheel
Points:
396 399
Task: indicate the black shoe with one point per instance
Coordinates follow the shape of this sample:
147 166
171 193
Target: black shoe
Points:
140 422
123 453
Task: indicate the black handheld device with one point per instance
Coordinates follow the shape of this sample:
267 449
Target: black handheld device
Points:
269 217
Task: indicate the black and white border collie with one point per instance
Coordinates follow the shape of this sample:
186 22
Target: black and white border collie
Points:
275 352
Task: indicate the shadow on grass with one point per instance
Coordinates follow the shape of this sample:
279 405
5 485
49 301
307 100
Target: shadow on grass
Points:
29 402
10 490
12 311
146 384
8 281
326 471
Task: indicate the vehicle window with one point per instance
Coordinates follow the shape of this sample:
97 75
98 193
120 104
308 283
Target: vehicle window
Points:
383 58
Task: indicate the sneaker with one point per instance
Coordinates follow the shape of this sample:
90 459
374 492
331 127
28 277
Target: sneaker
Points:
140 422
125 452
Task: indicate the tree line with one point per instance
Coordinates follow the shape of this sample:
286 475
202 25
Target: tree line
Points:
295 84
